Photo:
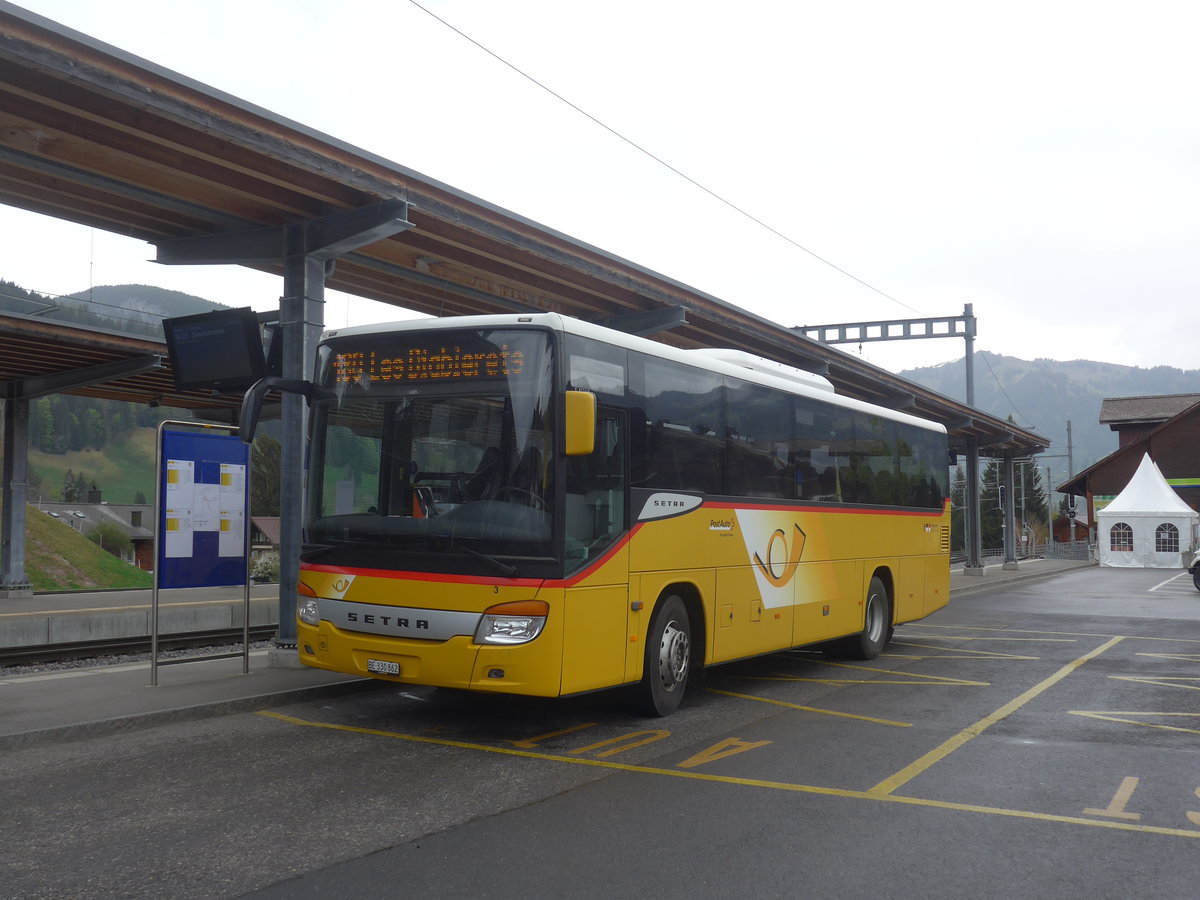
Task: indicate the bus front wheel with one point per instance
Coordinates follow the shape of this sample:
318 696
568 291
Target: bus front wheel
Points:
877 625
668 659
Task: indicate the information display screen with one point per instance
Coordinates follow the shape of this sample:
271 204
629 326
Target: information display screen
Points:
220 350
437 358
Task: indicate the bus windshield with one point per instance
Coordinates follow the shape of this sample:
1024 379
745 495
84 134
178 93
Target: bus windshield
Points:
435 447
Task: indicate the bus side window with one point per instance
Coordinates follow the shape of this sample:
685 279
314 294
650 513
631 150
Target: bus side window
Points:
595 497
758 434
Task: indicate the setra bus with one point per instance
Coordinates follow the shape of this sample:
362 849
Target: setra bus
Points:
536 505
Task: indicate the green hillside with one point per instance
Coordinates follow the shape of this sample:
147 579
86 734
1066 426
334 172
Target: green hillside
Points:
124 469
59 558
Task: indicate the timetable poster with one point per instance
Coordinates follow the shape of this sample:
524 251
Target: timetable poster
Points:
203 512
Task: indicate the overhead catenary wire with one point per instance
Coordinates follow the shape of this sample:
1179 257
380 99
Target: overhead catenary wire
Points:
1000 387
720 199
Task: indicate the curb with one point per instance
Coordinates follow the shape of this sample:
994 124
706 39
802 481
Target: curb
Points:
138 721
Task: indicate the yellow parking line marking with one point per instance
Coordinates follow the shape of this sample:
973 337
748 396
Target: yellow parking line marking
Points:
531 742
908 773
1163 680
957 637
922 679
1087 634
824 712
1182 657
1116 807
955 653
749 782
1114 716
942 682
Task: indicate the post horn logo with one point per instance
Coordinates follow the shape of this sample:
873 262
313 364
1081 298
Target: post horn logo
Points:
789 557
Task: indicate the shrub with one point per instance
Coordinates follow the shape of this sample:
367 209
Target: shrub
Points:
266 566
112 539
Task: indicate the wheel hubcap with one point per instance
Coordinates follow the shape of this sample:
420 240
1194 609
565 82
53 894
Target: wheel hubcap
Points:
874 619
673 656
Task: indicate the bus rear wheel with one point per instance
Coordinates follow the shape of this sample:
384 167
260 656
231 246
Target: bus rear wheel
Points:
877 625
668 659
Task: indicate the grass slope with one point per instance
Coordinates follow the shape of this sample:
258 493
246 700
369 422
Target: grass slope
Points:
120 470
59 558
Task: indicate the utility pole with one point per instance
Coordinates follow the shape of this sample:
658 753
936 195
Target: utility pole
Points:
907 329
1049 510
1070 452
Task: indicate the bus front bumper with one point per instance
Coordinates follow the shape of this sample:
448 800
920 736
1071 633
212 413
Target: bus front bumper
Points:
532 668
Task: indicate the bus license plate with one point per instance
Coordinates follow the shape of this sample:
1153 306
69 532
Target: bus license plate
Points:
383 667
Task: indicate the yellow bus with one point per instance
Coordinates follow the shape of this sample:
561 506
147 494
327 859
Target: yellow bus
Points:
536 505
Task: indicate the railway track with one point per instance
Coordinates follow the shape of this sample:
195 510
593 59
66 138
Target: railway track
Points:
55 653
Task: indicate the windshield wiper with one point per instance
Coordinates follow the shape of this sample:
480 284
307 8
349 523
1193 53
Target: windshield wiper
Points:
502 567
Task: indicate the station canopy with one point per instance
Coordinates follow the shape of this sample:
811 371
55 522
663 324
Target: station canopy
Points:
96 136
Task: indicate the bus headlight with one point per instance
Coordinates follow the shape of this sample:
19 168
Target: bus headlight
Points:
307 610
512 623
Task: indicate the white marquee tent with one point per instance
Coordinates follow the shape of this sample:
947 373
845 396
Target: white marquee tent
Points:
1147 525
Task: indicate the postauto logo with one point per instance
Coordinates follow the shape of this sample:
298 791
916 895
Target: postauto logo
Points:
782 556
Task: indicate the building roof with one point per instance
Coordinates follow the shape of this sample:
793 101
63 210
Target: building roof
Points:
86 516
269 526
1118 411
1078 484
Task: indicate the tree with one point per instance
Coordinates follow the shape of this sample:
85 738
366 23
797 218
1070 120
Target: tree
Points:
991 524
264 481
93 429
69 488
958 509
1032 494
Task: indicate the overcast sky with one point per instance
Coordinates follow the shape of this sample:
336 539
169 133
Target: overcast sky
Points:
1039 160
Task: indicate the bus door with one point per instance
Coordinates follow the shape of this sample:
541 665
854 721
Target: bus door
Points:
597 562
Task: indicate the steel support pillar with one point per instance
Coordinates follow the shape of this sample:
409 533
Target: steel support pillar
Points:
13 581
1010 513
974 564
308 250
973 516
301 319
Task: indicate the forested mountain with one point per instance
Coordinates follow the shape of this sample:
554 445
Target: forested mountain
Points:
130 308
61 424
64 430
1043 395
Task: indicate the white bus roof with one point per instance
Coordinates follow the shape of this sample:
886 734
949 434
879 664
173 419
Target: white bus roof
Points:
735 363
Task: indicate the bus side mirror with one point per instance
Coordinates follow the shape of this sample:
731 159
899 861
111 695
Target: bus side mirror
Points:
253 400
580 428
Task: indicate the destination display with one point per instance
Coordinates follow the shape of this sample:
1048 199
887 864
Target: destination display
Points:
436 361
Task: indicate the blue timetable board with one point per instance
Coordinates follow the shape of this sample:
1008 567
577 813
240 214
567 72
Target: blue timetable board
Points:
203 510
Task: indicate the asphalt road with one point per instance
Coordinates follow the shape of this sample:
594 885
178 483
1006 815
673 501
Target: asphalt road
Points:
1039 741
